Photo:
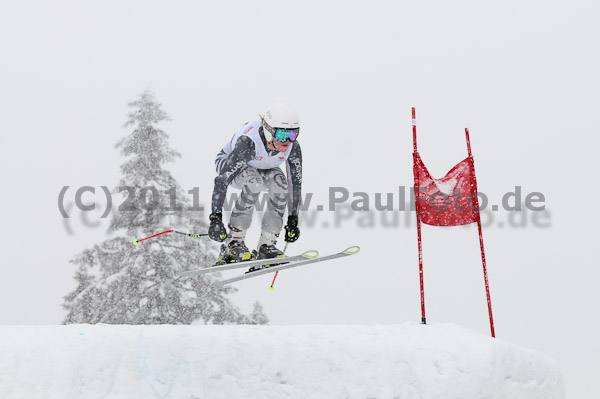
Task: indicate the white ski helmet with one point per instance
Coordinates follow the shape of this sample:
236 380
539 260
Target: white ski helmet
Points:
279 116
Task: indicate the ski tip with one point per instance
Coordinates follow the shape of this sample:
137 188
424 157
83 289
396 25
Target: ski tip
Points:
352 250
135 242
311 254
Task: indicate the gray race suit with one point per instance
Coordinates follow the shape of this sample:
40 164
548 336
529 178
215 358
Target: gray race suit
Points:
246 163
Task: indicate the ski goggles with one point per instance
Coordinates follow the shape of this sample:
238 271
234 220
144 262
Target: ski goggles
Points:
283 134
286 134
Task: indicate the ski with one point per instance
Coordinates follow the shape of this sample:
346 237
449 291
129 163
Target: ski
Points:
261 262
347 252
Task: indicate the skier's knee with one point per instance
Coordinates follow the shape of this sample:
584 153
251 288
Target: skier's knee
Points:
278 184
253 186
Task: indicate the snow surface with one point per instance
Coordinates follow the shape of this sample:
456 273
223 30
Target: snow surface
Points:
399 361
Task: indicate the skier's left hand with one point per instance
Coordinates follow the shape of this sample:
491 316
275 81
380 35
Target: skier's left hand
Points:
292 232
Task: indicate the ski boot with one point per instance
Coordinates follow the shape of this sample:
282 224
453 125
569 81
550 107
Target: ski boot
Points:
267 250
234 251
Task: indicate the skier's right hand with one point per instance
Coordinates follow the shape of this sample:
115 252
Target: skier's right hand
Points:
217 231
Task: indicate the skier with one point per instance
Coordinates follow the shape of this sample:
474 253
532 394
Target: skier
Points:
250 161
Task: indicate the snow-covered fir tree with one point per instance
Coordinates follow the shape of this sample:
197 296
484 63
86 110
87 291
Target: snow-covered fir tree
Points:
122 283
258 316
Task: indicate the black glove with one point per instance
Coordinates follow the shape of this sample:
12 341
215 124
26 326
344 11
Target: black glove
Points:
292 232
217 231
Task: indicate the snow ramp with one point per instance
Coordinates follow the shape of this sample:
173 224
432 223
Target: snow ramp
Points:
408 361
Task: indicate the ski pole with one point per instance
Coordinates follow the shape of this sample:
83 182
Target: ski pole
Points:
135 242
277 272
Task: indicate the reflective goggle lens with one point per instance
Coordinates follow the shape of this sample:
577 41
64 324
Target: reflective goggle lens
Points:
286 134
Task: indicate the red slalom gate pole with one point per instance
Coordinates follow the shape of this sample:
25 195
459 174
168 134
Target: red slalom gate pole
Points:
485 276
423 318
422 285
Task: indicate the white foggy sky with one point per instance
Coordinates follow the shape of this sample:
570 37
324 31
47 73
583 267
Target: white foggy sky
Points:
522 75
